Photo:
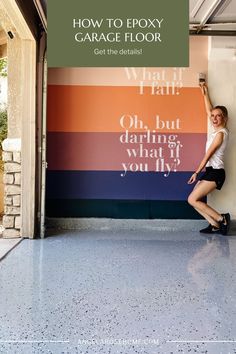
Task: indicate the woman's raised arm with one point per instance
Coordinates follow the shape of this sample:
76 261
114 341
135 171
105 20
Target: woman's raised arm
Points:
208 104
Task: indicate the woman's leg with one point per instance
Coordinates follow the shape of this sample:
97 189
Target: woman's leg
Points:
208 218
202 189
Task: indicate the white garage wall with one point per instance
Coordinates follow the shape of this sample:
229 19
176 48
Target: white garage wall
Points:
222 87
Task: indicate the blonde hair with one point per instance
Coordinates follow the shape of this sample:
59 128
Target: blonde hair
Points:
224 111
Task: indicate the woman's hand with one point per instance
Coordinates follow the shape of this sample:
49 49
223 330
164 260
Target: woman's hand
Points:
204 88
193 178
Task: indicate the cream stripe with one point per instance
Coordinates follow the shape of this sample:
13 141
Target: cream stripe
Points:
132 77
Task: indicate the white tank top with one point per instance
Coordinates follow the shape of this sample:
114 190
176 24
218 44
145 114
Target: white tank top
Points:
217 159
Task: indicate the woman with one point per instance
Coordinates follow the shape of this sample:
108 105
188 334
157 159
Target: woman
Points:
214 176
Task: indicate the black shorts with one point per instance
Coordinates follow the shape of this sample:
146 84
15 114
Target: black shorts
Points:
214 174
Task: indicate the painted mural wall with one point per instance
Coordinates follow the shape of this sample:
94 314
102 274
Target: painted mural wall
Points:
122 142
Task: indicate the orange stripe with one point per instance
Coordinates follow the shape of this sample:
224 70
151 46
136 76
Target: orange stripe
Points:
99 109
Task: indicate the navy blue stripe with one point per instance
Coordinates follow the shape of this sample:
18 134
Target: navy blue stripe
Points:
110 185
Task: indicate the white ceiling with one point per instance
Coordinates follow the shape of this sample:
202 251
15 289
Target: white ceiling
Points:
206 17
212 17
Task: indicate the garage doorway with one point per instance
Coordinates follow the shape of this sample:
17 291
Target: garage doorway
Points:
20 142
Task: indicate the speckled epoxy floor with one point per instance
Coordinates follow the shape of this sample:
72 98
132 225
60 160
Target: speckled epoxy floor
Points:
121 292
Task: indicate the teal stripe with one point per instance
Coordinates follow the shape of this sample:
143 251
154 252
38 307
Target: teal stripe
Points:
120 209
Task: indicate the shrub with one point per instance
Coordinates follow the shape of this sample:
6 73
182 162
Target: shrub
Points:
3 67
3 132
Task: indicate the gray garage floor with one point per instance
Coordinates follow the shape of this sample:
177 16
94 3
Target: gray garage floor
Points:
119 292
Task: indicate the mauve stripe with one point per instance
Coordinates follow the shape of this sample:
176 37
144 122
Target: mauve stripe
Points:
110 185
104 151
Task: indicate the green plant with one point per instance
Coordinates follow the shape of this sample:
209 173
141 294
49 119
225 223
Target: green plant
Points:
3 133
3 112
3 67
